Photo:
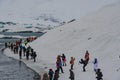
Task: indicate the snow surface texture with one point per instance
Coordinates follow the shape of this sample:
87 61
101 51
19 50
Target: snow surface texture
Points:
98 33
47 12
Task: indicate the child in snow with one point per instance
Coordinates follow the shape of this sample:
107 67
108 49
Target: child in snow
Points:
95 64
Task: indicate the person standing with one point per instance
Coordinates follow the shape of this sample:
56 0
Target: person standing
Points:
20 54
87 56
32 52
59 64
56 75
6 45
95 64
34 56
27 54
72 62
72 76
20 51
99 74
51 74
84 62
64 59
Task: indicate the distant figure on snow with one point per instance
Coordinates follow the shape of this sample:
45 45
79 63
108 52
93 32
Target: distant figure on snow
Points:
95 64
72 76
87 56
34 55
5 45
99 74
84 62
20 54
72 62
56 75
64 59
27 54
51 74
59 64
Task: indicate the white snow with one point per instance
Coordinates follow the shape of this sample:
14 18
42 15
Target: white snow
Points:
98 33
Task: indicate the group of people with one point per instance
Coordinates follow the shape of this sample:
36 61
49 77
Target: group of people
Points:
97 70
61 61
54 75
22 49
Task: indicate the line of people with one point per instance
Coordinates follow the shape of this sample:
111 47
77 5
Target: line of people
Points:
60 61
22 50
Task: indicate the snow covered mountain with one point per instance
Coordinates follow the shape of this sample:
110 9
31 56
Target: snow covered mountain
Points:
47 13
98 33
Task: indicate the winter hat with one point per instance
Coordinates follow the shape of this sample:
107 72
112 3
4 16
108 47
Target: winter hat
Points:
99 69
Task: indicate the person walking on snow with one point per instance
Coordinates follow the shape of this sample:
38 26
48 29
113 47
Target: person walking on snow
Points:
27 54
51 74
20 51
72 76
56 75
95 64
99 74
64 59
84 62
34 56
72 62
59 64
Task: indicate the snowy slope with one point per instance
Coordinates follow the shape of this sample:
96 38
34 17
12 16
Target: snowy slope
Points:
47 12
98 33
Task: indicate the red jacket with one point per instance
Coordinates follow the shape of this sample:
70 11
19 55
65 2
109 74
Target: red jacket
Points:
87 56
